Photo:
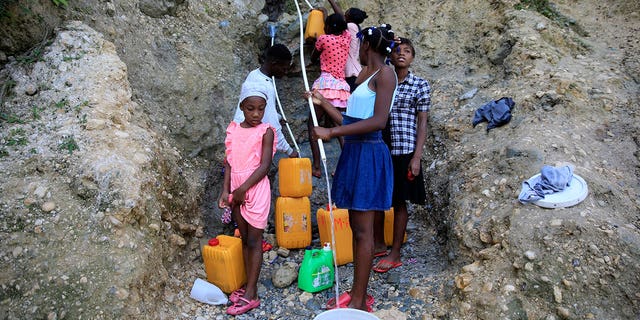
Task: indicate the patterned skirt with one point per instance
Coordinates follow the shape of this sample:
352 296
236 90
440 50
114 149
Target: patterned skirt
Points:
336 91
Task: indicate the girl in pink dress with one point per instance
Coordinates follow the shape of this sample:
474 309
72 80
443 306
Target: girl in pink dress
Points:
250 146
332 48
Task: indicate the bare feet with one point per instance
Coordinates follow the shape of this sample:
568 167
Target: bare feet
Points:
316 172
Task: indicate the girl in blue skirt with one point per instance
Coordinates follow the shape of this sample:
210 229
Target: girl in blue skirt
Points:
363 181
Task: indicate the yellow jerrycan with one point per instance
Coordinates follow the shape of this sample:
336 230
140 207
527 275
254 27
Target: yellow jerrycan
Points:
344 248
294 177
388 228
315 25
293 222
224 263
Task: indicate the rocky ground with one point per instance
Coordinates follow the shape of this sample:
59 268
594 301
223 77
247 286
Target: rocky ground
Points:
417 290
111 136
412 291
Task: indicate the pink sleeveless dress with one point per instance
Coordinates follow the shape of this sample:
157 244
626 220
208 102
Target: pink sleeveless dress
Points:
244 152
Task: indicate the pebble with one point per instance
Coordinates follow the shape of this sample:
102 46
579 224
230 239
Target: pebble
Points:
283 252
304 297
508 288
557 294
285 275
469 94
177 240
122 293
563 312
16 251
40 192
530 254
472 268
31 89
463 280
48 206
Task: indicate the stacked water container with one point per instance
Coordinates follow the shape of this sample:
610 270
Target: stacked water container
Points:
293 208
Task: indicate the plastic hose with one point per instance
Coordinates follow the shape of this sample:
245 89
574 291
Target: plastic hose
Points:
323 156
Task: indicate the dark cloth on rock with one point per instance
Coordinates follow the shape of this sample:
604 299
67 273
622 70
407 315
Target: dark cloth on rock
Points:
496 113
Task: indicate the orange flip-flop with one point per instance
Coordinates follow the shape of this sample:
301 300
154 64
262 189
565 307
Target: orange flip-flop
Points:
385 265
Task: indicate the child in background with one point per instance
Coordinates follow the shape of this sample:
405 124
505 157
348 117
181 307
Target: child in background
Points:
354 17
276 64
250 146
363 181
332 49
407 132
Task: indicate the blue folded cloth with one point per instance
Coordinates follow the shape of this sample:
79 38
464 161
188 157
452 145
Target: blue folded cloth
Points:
497 113
550 180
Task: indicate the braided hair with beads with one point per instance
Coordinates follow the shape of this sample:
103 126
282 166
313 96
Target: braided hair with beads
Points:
381 39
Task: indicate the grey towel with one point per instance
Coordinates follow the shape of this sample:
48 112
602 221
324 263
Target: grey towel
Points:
550 180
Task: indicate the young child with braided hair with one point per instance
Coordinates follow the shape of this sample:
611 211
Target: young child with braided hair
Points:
332 48
354 17
363 181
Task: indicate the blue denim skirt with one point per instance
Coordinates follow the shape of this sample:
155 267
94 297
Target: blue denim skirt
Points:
363 180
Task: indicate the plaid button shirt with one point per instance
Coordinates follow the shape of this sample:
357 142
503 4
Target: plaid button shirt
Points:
413 95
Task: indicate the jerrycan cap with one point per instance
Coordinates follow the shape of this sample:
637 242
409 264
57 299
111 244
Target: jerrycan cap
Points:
214 242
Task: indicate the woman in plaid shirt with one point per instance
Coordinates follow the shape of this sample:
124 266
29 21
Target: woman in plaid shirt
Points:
405 137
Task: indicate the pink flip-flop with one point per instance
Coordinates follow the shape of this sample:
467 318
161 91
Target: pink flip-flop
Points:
235 296
238 308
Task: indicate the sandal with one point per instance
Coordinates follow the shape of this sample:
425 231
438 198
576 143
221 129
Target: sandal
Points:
238 308
344 300
385 265
266 246
380 254
346 305
235 296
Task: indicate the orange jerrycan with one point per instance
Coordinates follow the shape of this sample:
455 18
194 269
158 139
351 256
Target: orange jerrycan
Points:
315 25
293 222
294 177
388 228
223 263
344 248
